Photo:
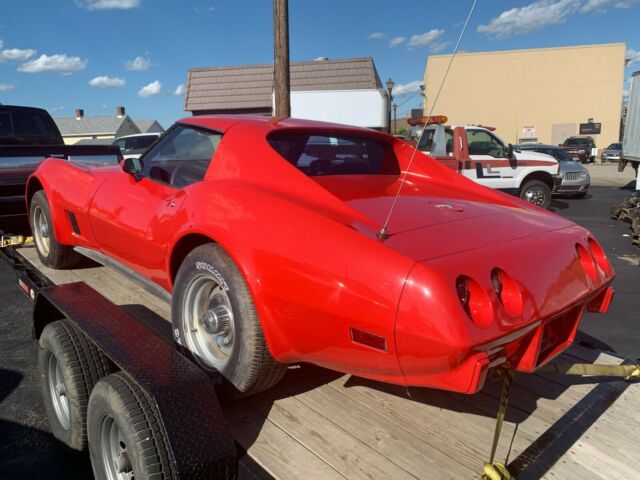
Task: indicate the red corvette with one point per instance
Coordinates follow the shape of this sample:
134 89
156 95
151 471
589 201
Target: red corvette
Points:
265 233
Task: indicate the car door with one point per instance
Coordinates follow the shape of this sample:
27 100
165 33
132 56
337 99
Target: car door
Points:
132 217
489 164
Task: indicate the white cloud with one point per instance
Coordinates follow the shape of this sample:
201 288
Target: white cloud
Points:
54 63
406 88
107 82
5 87
56 109
532 17
396 41
179 90
631 57
107 4
431 39
16 54
601 5
154 88
139 64
1 43
377 36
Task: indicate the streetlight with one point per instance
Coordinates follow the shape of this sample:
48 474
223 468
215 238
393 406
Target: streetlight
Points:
395 118
389 88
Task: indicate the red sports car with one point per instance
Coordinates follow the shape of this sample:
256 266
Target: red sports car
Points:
266 234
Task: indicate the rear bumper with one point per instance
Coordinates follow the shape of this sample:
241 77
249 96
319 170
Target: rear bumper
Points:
524 350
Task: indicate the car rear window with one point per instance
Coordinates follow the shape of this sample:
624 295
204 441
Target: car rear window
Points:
318 154
576 142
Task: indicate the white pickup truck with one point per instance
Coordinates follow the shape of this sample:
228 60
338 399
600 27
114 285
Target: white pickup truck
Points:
476 152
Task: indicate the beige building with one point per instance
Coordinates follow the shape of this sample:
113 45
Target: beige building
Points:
541 95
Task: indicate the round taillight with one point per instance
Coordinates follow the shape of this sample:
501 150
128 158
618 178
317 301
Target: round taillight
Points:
507 291
586 260
599 256
475 301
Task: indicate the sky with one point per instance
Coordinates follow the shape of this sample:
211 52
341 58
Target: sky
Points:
98 54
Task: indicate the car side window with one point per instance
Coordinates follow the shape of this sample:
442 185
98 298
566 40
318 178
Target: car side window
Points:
182 157
481 142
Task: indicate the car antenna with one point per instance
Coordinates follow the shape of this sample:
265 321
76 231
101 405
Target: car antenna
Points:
382 234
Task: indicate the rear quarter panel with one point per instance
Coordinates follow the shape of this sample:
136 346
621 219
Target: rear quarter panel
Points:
312 277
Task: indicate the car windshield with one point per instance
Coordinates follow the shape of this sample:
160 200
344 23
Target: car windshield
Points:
615 146
318 154
560 155
576 142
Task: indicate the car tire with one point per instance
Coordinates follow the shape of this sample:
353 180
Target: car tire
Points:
214 318
52 253
70 365
126 439
536 192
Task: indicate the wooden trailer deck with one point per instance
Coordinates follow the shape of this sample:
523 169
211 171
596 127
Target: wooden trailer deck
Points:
319 424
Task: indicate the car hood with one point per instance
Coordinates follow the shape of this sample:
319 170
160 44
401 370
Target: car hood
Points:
434 220
525 154
566 167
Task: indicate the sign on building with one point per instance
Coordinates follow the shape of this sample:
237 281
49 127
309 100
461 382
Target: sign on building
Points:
590 128
528 131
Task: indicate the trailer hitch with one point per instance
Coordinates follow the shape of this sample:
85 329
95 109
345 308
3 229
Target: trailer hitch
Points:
493 470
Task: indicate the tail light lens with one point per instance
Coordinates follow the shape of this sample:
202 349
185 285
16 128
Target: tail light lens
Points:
600 257
586 260
508 292
475 301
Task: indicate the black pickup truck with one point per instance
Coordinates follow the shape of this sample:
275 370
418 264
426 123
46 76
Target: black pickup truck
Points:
27 136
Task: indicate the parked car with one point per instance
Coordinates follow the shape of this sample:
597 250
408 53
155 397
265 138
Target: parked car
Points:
283 241
611 153
28 135
580 148
479 154
132 146
575 178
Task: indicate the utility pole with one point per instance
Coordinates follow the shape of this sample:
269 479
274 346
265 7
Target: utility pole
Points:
281 78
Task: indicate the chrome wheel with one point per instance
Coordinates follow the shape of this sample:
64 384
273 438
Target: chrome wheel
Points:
535 194
117 464
41 231
58 392
208 323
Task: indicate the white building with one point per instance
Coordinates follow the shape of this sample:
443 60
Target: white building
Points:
340 91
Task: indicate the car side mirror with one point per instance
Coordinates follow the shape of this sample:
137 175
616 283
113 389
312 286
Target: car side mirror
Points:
510 152
133 167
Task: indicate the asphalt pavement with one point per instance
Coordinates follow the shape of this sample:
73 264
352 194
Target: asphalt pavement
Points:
28 450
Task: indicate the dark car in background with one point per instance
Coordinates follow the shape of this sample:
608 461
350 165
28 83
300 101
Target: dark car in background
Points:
612 153
580 148
575 178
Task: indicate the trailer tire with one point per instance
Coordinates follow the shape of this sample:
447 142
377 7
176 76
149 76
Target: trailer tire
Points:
125 432
52 253
536 192
225 334
70 365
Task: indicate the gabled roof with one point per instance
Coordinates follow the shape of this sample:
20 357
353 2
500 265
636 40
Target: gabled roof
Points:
147 126
251 86
94 125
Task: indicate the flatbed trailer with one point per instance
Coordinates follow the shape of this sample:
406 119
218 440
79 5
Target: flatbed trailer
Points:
319 424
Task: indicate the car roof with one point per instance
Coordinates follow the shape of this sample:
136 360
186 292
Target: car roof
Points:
537 145
222 123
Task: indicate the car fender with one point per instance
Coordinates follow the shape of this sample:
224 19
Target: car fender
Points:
79 184
308 294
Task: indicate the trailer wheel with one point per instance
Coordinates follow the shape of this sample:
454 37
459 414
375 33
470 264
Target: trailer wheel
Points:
126 440
70 365
52 253
536 192
214 317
